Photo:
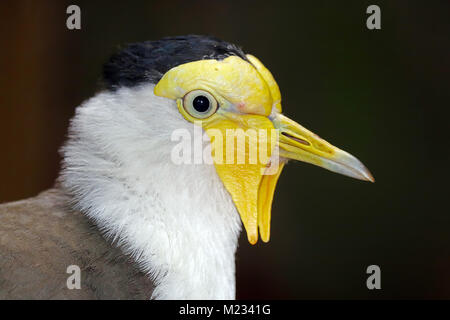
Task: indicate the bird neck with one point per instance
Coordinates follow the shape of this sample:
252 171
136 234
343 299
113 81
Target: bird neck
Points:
177 222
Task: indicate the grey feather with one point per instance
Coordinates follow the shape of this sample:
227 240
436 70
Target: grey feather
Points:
40 237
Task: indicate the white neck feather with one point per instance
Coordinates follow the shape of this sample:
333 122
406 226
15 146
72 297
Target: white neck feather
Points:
177 221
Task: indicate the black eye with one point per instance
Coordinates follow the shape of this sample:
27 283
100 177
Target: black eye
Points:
201 104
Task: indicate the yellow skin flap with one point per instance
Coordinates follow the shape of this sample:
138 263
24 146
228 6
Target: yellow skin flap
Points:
243 178
265 197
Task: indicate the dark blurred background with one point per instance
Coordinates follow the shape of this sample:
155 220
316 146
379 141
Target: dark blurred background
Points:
377 94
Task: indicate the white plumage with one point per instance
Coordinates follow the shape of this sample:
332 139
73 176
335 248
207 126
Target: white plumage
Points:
177 221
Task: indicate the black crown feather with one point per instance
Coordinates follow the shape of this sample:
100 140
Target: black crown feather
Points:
148 61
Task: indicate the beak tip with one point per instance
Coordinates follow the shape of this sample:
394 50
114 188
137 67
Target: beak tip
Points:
368 176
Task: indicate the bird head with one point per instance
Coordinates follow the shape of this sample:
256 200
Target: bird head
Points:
227 93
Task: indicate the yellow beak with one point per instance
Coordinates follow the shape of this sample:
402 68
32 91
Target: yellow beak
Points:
298 143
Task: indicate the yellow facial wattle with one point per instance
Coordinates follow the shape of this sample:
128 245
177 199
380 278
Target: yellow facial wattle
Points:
242 166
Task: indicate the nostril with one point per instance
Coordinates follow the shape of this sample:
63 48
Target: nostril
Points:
306 143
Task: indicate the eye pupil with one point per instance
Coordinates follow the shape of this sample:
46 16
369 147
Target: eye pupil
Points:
201 103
